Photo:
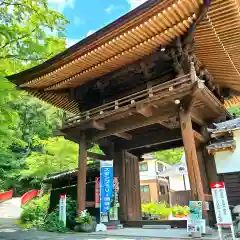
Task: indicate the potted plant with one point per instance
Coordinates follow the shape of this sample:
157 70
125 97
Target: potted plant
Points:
180 211
84 222
164 211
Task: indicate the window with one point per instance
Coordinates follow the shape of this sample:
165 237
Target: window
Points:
143 167
162 189
159 167
144 188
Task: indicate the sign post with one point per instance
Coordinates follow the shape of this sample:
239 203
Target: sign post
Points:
106 189
97 192
115 203
221 207
62 209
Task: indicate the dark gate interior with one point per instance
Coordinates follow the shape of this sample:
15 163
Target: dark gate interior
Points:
232 182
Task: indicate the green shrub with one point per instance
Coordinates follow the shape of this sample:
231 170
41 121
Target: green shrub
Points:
53 224
158 209
180 210
71 209
163 210
34 212
84 217
35 215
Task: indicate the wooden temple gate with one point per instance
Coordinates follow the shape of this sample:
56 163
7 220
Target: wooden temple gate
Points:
139 86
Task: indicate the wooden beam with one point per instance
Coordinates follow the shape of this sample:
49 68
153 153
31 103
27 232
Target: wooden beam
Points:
144 110
177 143
82 174
198 136
98 156
149 139
85 124
203 94
98 125
129 124
191 155
124 135
197 118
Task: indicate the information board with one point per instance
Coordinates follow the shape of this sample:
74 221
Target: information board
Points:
221 207
195 223
106 189
62 208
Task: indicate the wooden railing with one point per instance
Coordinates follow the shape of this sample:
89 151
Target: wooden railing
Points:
152 93
6 195
29 196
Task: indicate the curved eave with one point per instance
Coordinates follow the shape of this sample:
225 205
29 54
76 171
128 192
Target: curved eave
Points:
139 33
98 38
232 102
218 42
135 35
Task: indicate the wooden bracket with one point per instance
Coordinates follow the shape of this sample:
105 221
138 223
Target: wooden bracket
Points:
144 110
198 136
98 156
98 125
128 125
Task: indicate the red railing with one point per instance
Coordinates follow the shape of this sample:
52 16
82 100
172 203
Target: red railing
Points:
28 196
6 195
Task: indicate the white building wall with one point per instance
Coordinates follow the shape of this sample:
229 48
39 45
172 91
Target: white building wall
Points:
151 173
177 183
227 162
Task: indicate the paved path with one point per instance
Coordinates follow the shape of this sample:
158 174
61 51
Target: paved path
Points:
11 210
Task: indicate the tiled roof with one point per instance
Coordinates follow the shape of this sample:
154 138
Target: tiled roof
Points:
230 125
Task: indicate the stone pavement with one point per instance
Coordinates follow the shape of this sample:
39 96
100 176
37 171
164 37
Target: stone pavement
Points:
10 211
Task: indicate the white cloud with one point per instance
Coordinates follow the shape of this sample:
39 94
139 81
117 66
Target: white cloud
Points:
71 42
109 9
135 3
90 32
60 5
78 21
112 8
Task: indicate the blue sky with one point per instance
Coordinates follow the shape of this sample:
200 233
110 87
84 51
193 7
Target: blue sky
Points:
87 16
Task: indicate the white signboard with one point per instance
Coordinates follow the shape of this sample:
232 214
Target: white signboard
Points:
222 211
62 208
196 225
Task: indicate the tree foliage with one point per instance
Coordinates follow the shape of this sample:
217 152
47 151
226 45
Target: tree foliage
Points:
54 155
235 111
30 33
170 156
27 38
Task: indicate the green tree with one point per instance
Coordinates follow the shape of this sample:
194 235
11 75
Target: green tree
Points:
55 155
170 156
30 33
235 110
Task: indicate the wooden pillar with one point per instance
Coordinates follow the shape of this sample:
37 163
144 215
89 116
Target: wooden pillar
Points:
191 155
82 174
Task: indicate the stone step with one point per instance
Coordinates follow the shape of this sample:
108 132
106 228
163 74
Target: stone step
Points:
156 226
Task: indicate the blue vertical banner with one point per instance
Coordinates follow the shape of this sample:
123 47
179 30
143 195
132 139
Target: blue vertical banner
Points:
106 189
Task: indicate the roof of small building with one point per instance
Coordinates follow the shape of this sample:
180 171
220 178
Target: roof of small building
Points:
178 169
92 167
230 125
223 145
